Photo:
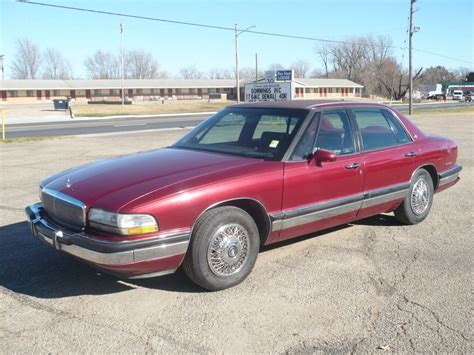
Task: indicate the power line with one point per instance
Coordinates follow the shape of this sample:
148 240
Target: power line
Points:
223 28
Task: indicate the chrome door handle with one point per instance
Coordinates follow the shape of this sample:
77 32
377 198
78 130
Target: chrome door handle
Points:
352 166
410 155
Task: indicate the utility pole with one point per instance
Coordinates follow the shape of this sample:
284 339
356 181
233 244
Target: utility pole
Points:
410 74
237 78
121 62
2 67
256 67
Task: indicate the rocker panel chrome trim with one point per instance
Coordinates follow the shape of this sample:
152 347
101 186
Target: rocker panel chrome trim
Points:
319 211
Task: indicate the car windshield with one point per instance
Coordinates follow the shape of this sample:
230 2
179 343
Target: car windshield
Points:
260 133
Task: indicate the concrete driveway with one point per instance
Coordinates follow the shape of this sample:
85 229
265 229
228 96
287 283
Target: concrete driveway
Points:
366 287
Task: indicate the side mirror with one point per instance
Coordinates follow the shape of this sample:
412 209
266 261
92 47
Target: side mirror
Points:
322 156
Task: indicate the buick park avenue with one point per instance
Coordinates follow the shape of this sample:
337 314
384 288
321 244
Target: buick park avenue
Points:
251 175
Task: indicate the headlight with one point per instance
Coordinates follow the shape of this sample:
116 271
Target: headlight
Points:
125 224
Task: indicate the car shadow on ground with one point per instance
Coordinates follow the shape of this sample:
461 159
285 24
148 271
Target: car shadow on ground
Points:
381 220
32 268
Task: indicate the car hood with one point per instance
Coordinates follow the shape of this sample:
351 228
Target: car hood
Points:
112 183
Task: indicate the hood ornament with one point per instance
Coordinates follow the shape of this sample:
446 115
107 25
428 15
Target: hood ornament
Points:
68 183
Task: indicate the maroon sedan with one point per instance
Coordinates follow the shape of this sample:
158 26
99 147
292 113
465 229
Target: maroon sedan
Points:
251 175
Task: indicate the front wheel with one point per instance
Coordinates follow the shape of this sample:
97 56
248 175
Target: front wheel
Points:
416 206
223 248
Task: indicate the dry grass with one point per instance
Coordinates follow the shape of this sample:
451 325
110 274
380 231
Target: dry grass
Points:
443 111
31 139
148 108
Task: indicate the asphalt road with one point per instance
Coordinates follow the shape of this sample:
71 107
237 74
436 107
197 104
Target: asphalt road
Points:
367 287
76 126
80 126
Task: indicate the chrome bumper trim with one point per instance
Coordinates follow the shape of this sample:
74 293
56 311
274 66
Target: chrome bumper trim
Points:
449 175
172 244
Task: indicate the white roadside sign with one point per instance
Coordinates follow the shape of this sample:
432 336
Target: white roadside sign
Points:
257 92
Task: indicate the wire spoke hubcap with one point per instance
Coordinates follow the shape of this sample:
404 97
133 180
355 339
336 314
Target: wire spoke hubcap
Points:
228 250
420 197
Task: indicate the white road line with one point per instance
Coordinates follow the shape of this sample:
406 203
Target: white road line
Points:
92 135
130 125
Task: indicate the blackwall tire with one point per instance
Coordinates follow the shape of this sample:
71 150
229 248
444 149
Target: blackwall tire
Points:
417 204
223 248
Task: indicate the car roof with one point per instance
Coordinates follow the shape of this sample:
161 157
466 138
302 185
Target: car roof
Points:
303 104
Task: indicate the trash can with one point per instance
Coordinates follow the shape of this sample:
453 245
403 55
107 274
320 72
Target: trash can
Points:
60 104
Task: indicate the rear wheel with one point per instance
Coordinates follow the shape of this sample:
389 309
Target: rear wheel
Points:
223 248
417 204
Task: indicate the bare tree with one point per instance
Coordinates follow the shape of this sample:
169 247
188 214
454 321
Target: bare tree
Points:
27 60
219 73
324 55
55 65
140 64
462 73
102 65
248 73
301 69
190 72
275 66
436 75
316 73
395 79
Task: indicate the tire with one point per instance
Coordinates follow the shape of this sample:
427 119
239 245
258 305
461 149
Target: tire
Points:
416 206
223 248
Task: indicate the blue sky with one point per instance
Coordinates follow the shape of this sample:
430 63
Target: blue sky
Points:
446 28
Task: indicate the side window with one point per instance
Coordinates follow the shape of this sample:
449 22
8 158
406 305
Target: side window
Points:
306 142
335 133
227 130
397 127
329 130
374 128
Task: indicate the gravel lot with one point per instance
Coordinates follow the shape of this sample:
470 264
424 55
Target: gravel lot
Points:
367 287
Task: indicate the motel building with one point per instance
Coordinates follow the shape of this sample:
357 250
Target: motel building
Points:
38 91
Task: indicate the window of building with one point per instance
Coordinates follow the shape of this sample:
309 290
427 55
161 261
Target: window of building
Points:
338 90
97 92
192 91
56 93
330 90
139 91
152 91
13 93
307 90
29 93
178 91
112 92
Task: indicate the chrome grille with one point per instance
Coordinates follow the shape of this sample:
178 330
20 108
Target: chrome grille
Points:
64 209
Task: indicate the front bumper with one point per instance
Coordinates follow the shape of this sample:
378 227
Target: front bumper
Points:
135 258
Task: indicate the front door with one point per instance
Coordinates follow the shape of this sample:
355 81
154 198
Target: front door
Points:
318 196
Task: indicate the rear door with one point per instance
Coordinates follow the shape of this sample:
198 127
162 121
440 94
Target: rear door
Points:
388 159
317 197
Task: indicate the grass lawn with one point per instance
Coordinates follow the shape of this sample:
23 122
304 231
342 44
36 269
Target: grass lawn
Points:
148 108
